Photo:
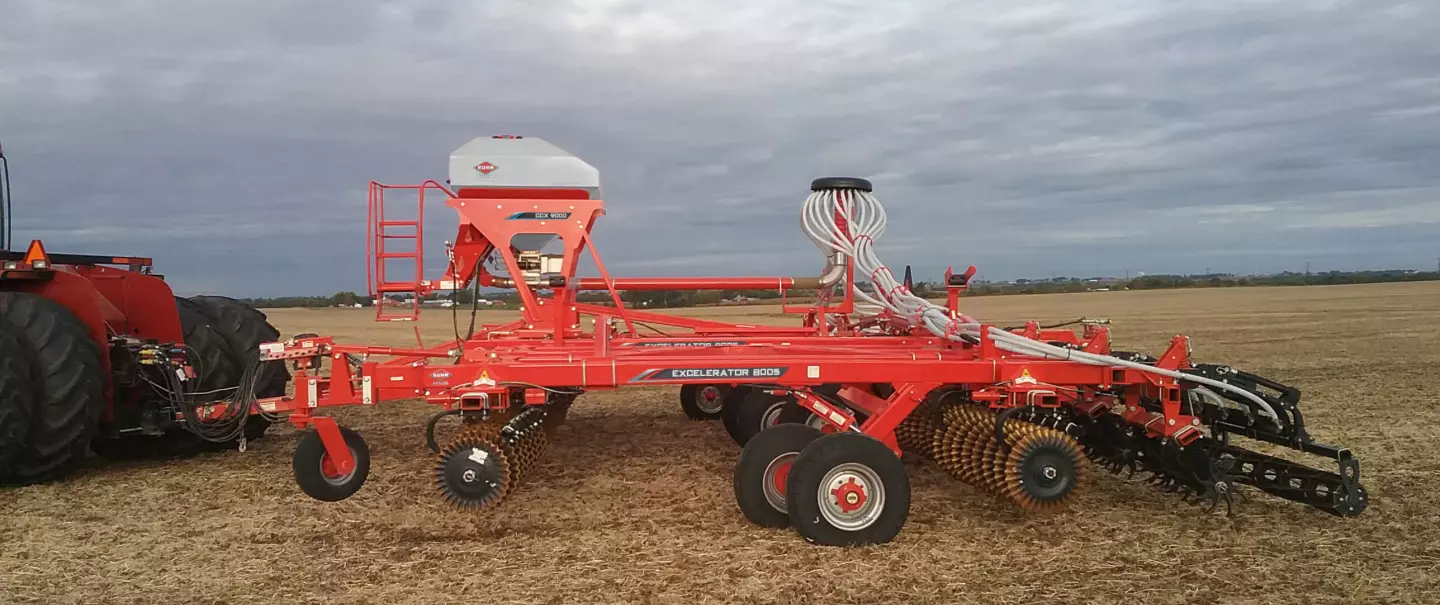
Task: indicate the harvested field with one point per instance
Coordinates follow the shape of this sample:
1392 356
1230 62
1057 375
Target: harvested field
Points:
633 503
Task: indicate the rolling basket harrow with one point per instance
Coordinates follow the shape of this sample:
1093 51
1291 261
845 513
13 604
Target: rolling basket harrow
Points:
824 410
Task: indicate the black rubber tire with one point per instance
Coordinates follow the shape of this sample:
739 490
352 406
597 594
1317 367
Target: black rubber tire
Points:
728 407
690 401
310 454
17 396
794 413
754 412
244 328
808 472
215 369
69 385
753 472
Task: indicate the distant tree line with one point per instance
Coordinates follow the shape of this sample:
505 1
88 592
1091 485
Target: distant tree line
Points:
1210 280
661 299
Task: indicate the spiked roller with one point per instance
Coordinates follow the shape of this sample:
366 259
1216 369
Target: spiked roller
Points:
1043 471
474 471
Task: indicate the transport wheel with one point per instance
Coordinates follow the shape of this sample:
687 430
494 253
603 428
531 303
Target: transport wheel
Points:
848 489
69 387
244 328
17 394
728 404
754 412
763 471
316 474
703 401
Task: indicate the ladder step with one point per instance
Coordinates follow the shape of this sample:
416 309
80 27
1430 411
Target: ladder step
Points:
390 255
389 236
399 223
398 286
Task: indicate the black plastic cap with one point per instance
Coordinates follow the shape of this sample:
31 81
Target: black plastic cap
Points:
841 182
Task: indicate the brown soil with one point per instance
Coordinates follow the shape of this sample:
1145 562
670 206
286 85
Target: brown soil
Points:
633 503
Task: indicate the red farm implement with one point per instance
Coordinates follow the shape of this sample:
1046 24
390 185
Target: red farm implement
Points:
823 410
97 354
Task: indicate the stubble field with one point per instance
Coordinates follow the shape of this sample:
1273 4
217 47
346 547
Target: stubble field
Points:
633 502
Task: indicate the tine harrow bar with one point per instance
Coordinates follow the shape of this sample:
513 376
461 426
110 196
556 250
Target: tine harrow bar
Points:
872 372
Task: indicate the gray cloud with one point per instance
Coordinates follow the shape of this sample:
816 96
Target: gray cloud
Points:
233 141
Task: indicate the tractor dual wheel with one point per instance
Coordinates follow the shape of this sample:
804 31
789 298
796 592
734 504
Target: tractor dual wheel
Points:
215 372
703 401
316 473
216 375
848 489
222 336
66 388
243 329
763 471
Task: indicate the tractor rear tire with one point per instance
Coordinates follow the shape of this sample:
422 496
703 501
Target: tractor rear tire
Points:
17 394
69 383
244 328
215 371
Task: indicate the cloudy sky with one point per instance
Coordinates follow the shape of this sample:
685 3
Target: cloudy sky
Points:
233 140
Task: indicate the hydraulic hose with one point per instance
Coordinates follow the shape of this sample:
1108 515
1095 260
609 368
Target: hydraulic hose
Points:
865 222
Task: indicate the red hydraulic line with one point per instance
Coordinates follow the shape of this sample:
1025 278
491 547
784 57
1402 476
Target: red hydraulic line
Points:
702 283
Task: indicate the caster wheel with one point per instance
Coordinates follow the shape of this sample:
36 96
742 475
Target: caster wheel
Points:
703 401
848 489
763 472
757 410
316 473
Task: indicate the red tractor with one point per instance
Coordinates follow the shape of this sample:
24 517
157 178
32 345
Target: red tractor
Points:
98 355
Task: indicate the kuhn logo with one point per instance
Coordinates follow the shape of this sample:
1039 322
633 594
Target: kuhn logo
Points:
440 375
486 167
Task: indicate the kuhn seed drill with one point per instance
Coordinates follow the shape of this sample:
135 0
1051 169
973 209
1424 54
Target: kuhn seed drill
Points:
823 409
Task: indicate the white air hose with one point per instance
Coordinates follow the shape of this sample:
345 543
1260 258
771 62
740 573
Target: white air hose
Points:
866 220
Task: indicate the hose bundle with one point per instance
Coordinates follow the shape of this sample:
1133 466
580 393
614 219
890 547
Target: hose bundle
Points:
238 400
864 223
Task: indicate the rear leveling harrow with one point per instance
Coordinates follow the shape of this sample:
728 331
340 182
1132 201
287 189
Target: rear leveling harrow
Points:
824 410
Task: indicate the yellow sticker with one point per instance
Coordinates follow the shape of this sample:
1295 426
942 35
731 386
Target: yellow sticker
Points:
485 379
1025 377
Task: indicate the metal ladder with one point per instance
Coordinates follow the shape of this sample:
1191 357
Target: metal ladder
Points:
382 238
